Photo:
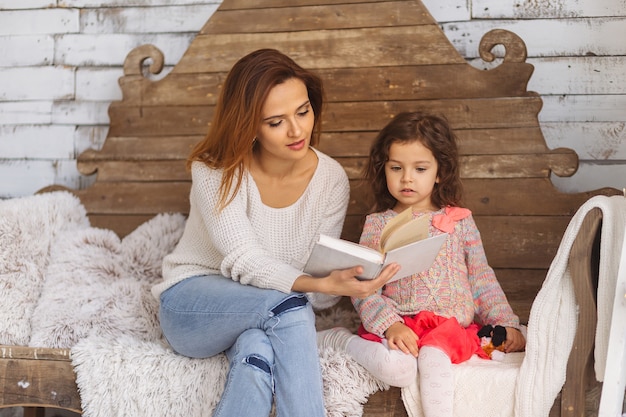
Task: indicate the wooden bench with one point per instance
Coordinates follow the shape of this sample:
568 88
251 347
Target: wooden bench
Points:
377 58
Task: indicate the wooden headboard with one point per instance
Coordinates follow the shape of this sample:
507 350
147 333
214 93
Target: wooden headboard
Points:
377 58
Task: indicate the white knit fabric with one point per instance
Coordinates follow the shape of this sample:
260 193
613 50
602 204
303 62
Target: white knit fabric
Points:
251 242
482 387
553 316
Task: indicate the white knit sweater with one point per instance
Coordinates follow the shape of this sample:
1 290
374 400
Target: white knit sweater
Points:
251 242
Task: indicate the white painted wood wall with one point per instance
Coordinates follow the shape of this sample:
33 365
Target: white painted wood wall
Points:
60 61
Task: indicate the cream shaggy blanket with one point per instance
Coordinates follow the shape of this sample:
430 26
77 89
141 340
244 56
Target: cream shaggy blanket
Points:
66 284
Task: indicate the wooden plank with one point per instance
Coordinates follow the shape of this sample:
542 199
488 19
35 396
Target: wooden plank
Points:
137 170
497 197
142 148
36 83
123 225
325 49
425 82
110 49
512 141
596 108
494 166
519 166
21 177
521 287
98 84
449 10
583 75
23 51
591 176
343 84
90 137
121 3
20 112
577 37
318 17
583 264
251 4
385 404
350 116
525 141
34 142
514 9
36 382
129 19
183 89
525 242
136 198
38 21
80 112
597 141
35 353
511 242
25 4
504 197
133 168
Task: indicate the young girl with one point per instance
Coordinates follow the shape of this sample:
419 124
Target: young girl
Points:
414 164
260 196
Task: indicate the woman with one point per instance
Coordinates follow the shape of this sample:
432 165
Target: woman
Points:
260 197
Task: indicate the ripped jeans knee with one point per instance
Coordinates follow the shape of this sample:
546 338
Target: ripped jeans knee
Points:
253 348
291 303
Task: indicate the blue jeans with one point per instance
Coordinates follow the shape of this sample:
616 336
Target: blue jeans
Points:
269 338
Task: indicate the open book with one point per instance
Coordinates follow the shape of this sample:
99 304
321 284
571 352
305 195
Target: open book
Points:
404 240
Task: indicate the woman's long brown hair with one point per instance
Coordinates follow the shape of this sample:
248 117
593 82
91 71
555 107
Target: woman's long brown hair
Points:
229 142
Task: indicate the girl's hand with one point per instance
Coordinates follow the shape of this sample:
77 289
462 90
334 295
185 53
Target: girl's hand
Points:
515 340
400 336
345 283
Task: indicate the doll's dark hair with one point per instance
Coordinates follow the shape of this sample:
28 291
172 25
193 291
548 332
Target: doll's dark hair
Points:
432 131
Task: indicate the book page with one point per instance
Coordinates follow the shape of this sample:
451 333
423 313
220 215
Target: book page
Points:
416 257
408 232
392 225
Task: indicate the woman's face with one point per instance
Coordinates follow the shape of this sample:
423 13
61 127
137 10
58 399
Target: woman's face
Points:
287 121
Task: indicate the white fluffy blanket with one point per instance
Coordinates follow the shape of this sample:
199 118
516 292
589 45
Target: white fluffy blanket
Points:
66 284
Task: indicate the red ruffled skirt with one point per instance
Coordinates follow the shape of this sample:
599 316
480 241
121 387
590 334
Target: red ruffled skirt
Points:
458 342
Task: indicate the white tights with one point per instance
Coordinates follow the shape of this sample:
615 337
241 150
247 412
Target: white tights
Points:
436 382
391 366
400 369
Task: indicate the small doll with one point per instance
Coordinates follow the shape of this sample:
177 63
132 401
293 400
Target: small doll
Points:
492 341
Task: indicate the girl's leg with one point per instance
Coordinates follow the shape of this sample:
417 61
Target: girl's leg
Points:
436 382
391 366
203 316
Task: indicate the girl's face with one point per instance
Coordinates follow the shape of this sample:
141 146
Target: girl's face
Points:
411 173
287 122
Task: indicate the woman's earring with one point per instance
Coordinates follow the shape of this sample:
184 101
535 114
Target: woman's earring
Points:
253 142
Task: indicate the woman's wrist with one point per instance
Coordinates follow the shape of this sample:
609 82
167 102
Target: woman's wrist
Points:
307 283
